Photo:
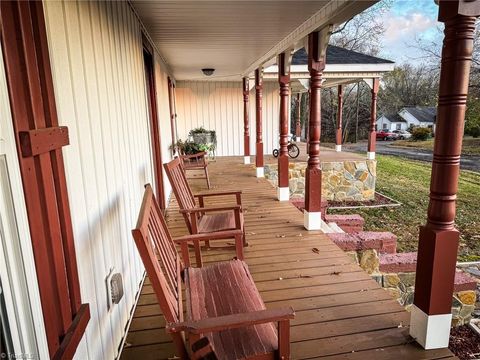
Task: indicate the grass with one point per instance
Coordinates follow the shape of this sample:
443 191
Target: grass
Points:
471 146
408 181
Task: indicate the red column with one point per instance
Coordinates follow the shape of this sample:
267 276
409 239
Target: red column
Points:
313 174
298 129
283 191
246 129
372 133
339 133
438 241
258 120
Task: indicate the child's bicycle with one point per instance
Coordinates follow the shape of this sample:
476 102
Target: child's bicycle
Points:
293 150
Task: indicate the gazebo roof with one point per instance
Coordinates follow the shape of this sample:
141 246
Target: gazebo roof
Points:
337 55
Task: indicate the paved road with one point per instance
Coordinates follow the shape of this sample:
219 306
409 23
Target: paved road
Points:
467 162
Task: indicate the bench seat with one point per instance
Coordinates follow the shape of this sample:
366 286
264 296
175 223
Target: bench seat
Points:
224 289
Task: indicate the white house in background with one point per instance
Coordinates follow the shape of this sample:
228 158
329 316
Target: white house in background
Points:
391 122
422 116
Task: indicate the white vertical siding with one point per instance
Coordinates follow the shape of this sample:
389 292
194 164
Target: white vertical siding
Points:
218 105
98 73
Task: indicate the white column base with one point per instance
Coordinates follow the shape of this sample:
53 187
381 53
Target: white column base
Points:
338 148
260 172
297 139
430 331
283 193
312 220
370 155
246 160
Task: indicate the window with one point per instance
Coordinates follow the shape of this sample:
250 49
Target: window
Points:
399 126
40 141
385 126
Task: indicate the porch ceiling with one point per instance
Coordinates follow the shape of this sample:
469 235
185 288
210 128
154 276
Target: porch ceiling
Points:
234 37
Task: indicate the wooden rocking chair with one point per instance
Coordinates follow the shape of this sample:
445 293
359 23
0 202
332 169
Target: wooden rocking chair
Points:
223 305
196 161
200 219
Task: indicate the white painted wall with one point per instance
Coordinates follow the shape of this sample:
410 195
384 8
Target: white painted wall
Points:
219 106
383 121
98 72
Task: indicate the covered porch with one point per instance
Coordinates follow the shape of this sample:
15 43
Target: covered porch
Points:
341 312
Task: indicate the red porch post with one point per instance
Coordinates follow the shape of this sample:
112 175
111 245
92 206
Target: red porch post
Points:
372 133
438 242
317 43
339 132
172 114
246 129
283 191
258 120
298 129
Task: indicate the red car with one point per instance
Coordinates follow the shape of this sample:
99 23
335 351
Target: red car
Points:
386 135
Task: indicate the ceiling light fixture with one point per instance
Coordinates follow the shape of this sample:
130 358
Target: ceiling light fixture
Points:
208 71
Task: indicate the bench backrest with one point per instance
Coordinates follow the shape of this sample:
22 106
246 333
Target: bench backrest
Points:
160 257
181 189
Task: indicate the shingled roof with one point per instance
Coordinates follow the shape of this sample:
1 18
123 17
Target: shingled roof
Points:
394 118
338 55
423 113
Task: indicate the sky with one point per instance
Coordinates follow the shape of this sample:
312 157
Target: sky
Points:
404 20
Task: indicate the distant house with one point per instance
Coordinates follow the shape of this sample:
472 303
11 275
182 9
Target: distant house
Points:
391 122
422 116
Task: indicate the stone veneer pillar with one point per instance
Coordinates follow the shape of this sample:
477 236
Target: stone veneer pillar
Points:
438 242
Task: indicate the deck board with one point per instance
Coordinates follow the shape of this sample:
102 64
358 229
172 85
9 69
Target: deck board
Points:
341 313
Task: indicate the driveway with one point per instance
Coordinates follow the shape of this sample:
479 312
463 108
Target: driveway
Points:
467 162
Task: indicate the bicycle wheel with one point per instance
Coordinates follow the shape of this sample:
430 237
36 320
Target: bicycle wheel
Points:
293 151
275 152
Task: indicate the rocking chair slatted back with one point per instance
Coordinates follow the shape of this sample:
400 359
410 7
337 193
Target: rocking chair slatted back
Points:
176 176
159 254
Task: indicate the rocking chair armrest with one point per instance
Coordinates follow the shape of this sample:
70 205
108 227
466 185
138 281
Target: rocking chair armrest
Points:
211 209
238 196
219 193
226 322
197 155
219 235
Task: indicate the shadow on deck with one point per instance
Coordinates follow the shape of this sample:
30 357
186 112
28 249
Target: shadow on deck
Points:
341 313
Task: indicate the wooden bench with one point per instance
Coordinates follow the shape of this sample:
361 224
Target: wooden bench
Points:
197 162
222 302
199 218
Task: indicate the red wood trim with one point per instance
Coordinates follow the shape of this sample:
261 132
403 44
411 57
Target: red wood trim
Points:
36 142
284 82
74 334
154 123
32 101
171 105
246 122
339 132
298 129
258 118
373 116
313 173
438 240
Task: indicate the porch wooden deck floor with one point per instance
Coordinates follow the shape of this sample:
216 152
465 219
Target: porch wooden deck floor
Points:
341 313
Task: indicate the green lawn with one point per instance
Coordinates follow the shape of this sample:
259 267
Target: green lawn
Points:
408 182
470 146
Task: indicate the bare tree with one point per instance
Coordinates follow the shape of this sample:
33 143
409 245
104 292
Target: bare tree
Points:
363 32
